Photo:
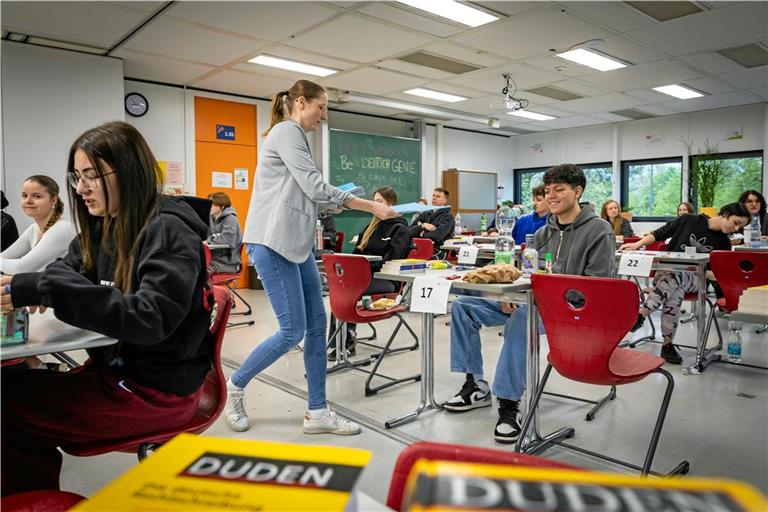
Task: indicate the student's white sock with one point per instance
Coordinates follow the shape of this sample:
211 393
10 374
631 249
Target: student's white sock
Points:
315 412
231 386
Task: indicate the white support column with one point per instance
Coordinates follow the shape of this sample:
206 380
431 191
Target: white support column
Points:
616 160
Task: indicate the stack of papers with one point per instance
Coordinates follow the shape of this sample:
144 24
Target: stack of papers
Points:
754 300
352 189
416 207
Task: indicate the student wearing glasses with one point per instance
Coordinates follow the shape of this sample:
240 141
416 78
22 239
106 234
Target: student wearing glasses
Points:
49 235
135 272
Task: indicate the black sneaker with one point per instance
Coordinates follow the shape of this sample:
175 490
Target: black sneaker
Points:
638 323
470 397
508 427
670 354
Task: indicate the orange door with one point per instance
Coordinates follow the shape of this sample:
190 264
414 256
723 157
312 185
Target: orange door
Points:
225 140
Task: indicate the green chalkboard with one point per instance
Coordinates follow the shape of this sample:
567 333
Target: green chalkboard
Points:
373 161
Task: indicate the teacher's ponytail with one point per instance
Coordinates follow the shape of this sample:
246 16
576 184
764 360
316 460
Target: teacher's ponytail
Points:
283 101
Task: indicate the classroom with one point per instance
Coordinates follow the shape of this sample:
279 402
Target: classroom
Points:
542 115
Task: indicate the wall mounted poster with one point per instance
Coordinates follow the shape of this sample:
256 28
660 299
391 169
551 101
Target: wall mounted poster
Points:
221 179
241 179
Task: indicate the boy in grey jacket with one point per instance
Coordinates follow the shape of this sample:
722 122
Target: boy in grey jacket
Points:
224 229
581 243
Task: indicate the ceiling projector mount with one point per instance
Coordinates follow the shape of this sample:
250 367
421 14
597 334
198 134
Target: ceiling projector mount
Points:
508 102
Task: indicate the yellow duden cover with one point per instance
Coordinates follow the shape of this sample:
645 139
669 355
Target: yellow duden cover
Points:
444 486
206 473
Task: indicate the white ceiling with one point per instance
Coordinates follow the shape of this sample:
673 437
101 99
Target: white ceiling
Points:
208 44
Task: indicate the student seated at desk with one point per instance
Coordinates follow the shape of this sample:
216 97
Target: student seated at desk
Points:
754 202
224 229
50 234
669 288
611 212
437 225
136 272
581 244
391 239
530 223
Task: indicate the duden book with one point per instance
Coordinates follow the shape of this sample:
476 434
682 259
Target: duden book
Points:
405 265
206 473
450 486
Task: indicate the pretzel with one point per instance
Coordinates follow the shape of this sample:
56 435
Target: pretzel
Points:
499 273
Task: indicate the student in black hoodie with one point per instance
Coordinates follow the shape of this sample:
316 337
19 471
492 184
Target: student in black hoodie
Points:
391 239
437 225
136 272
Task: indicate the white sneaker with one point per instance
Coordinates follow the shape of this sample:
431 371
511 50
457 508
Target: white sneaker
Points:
327 422
234 413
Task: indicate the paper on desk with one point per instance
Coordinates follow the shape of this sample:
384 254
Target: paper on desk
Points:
416 207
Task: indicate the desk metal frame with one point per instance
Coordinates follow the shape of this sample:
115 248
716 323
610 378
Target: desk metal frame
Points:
518 293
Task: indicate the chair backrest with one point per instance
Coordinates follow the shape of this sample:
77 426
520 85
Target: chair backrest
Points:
631 239
40 501
212 399
348 277
339 242
736 271
424 250
585 318
456 453
659 245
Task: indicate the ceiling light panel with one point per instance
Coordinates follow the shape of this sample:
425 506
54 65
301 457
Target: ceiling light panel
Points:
531 115
435 95
292 65
591 59
678 91
452 10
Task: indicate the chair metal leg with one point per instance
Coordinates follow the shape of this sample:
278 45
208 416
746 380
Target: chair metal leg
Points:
342 361
64 358
599 404
409 348
244 313
145 448
547 440
762 329
371 337
556 437
372 390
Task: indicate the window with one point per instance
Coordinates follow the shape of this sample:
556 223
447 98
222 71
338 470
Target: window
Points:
739 172
599 184
651 189
525 181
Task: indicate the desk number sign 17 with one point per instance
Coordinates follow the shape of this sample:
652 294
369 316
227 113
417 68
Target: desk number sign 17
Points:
430 295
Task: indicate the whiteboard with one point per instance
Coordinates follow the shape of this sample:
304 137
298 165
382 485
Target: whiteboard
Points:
477 191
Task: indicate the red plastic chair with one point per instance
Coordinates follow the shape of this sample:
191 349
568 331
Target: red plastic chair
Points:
735 271
585 318
424 250
338 244
631 239
211 403
348 277
456 453
40 501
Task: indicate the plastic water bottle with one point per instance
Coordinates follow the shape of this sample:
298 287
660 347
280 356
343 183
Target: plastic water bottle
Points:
483 222
734 342
457 225
505 246
530 257
754 235
318 235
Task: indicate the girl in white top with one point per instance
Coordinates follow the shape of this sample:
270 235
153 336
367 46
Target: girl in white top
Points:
45 240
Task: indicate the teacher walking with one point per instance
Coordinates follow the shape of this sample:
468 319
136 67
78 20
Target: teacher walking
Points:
279 237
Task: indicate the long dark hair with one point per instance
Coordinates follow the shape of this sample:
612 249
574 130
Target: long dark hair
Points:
50 186
743 200
390 196
121 147
283 101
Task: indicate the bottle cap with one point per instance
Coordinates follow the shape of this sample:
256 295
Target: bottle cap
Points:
548 256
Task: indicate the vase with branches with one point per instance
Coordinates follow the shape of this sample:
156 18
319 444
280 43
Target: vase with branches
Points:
707 172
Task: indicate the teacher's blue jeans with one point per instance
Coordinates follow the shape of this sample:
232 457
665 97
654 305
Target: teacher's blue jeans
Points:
295 294
468 315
